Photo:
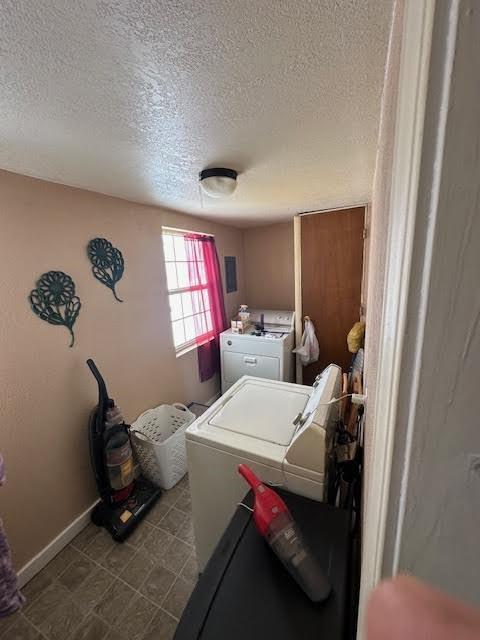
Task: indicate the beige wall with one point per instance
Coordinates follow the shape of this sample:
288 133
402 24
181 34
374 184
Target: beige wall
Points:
47 391
269 267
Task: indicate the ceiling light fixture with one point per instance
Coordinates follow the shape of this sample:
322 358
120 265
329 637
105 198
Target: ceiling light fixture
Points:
218 182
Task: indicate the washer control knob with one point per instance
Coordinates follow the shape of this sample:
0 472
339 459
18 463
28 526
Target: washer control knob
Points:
229 342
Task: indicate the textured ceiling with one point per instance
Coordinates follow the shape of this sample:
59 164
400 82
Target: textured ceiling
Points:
133 97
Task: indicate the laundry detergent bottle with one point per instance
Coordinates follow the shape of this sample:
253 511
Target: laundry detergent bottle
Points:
274 522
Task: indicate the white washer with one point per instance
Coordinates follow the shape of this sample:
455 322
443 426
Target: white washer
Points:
268 355
283 431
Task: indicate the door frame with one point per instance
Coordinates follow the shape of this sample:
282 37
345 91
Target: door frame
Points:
297 240
407 151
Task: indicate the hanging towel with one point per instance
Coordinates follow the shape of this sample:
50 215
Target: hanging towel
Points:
309 349
10 597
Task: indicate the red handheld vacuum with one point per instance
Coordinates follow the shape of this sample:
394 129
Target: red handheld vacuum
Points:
274 522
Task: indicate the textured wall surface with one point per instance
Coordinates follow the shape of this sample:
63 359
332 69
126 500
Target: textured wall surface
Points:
47 391
269 267
133 97
434 529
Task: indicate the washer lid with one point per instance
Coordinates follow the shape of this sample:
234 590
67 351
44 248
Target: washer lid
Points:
262 410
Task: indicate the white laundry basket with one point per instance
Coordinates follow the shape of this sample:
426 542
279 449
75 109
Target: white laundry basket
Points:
158 437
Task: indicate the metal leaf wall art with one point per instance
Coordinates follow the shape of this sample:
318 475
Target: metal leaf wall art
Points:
54 300
107 263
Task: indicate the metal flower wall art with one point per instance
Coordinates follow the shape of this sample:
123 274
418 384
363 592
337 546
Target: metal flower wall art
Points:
107 263
54 300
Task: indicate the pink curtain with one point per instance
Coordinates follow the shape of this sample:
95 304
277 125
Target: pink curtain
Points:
207 301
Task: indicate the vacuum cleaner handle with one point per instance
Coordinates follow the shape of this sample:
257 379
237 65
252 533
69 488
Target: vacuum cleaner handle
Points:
249 476
102 388
102 394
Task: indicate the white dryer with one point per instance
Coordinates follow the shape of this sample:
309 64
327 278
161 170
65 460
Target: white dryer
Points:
264 353
283 431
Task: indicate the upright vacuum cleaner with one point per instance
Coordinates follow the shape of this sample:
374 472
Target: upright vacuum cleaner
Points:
124 499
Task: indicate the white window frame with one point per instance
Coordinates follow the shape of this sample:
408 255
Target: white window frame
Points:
188 345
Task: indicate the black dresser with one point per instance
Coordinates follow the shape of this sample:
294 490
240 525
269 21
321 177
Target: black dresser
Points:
246 594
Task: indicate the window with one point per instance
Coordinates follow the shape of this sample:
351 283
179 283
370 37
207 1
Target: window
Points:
187 291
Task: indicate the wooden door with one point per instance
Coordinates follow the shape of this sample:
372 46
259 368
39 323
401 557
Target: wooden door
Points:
332 261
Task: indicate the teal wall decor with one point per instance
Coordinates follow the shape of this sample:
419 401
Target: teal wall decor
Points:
107 263
54 300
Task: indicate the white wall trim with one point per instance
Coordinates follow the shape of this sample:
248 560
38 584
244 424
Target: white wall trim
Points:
297 240
355 205
53 548
426 275
365 261
410 114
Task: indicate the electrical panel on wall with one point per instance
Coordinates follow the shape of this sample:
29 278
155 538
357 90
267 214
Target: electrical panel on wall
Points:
230 274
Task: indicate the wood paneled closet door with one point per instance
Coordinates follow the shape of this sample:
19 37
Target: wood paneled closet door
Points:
331 282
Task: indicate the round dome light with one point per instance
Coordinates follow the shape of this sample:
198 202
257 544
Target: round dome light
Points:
218 182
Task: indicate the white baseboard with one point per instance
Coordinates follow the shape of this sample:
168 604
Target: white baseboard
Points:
53 548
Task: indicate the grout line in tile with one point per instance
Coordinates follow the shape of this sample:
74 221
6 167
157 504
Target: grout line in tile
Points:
72 544
135 549
69 567
184 564
97 563
177 575
155 604
117 627
92 609
37 629
157 526
85 614
168 592
75 629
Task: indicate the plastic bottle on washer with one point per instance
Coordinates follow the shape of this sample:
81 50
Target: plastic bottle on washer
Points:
243 312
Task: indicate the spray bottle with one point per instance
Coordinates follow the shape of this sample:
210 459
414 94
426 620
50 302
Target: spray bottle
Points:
274 522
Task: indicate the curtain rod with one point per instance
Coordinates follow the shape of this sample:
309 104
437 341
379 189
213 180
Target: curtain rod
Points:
180 232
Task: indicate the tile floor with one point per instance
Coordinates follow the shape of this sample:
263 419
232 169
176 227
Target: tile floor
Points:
97 589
